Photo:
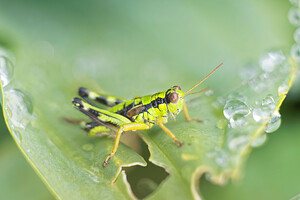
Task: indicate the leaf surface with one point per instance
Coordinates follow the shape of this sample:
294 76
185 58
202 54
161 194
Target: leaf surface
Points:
127 49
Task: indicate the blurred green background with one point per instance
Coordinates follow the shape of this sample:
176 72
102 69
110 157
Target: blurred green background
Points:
174 33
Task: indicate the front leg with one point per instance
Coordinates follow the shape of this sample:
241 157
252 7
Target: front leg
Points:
187 116
123 128
160 121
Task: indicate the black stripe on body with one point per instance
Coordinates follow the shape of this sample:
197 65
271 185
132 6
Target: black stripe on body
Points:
126 109
167 96
154 103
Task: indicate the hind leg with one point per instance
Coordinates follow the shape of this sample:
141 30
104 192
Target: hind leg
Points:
104 99
94 129
123 128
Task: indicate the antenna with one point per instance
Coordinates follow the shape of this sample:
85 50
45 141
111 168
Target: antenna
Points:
203 79
205 89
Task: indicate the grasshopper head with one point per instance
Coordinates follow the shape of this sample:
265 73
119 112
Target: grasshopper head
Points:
175 100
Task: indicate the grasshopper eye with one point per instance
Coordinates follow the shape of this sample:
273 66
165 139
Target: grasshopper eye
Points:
176 87
173 97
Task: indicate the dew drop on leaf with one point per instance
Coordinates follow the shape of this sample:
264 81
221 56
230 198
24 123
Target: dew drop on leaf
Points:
19 108
6 70
293 16
283 89
87 147
274 123
248 72
260 140
222 123
209 92
297 35
237 96
268 101
235 111
295 52
238 142
297 197
265 109
222 159
294 2
93 176
259 84
271 60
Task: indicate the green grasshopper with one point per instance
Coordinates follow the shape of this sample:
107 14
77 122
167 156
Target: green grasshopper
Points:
140 113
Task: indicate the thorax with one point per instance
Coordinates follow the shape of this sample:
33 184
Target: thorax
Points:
143 109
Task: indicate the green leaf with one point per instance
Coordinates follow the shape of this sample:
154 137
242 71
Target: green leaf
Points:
16 174
219 146
128 49
274 163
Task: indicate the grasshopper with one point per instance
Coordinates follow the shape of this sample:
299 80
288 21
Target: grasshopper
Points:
140 113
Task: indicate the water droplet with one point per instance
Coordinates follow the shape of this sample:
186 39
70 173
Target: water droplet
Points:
87 147
274 123
237 96
17 134
93 176
297 197
221 100
260 83
219 104
294 2
249 72
6 70
265 109
260 140
297 35
222 159
238 142
18 108
35 124
259 114
220 156
222 123
283 89
285 68
257 85
295 52
268 101
236 111
271 60
209 92
293 16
